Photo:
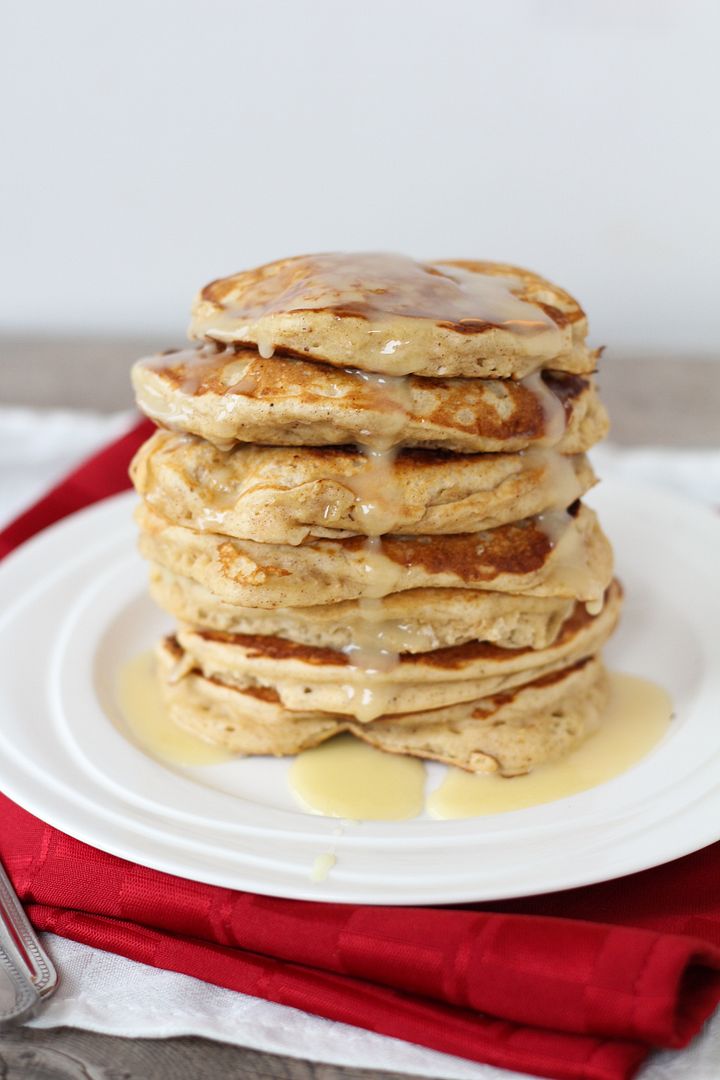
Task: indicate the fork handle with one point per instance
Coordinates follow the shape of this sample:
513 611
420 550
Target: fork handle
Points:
19 999
27 974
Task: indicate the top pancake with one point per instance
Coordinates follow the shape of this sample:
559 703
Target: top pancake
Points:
392 315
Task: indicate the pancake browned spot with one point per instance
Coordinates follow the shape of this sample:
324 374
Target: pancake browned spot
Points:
172 645
275 648
260 693
512 549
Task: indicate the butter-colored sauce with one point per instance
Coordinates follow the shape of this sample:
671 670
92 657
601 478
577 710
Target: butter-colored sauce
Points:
380 288
322 866
346 778
378 494
574 560
555 420
638 716
144 712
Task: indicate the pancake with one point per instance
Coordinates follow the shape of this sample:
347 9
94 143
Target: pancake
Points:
413 621
510 732
326 681
558 554
228 397
389 314
247 723
279 495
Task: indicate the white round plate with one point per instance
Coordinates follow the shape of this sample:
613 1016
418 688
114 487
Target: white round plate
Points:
74 608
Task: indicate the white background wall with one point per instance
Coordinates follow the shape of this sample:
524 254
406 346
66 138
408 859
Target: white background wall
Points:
151 145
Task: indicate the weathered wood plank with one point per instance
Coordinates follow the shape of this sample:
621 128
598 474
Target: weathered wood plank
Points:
68 1054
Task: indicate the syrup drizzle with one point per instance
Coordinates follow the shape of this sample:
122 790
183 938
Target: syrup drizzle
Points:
378 494
378 288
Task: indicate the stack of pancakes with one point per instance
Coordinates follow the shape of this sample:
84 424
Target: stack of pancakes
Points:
362 506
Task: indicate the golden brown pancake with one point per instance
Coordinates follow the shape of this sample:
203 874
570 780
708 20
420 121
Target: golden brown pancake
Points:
413 621
244 723
281 495
390 314
510 733
559 554
228 397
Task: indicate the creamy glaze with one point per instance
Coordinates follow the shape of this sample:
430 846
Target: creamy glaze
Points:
322 866
638 716
377 287
348 779
553 411
573 563
197 363
375 646
370 650
345 778
378 493
142 707
558 480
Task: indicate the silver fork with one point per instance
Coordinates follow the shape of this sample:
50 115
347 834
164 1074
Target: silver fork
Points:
27 974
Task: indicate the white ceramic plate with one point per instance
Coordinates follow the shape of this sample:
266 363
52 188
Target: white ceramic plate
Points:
74 608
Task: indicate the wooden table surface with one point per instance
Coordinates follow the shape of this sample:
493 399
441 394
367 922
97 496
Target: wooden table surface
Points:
656 399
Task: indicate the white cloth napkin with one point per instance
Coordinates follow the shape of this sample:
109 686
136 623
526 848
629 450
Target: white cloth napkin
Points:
106 993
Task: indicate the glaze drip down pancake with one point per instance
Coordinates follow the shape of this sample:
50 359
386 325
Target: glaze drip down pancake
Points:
392 315
558 554
228 397
279 495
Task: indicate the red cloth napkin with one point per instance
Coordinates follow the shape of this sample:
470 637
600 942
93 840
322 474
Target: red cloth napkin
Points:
580 984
